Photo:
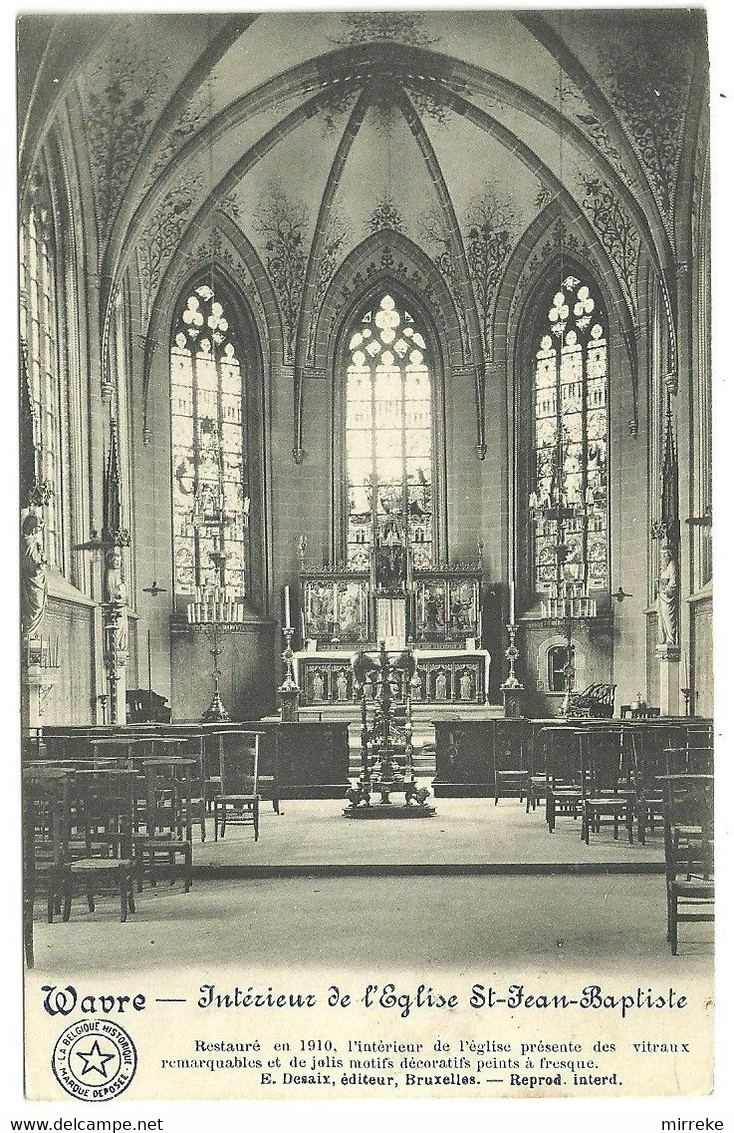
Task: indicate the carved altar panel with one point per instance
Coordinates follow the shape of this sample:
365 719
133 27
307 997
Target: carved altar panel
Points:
325 680
452 680
335 608
442 677
447 606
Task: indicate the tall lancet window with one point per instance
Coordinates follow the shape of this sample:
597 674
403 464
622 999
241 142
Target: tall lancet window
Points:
389 434
209 462
570 500
40 332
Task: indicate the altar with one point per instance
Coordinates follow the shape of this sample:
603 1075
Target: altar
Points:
446 676
435 612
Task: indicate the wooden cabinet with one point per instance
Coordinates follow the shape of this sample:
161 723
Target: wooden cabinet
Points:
467 754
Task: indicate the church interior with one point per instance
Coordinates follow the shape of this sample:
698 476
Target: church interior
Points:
366 473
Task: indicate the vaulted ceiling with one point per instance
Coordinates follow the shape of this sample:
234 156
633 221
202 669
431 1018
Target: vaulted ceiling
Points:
311 131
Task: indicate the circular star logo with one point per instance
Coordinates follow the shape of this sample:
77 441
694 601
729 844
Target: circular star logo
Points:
94 1060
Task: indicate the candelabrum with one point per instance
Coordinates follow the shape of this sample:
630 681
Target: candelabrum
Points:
215 605
512 653
289 692
387 764
687 699
216 710
512 689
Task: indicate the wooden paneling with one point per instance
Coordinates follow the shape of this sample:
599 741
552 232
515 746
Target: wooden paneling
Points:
703 657
71 701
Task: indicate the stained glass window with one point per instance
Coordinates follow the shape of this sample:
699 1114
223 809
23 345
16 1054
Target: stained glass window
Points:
39 330
571 431
389 434
210 508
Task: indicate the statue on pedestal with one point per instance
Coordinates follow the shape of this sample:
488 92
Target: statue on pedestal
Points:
115 602
33 581
667 601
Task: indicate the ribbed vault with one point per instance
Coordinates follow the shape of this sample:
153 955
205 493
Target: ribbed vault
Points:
337 135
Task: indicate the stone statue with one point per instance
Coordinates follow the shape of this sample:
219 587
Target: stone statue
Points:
115 588
33 581
116 599
667 597
465 690
341 687
317 686
441 685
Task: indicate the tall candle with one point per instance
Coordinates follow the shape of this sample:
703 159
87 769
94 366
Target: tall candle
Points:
287 603
685 671
512 603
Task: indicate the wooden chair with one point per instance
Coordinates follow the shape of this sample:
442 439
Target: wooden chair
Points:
647 757
563 791
46 809
100 856
239 801
167 821
689 851
193 750
538 782
689 760
29 868
211 746
608 791
511 773
179 745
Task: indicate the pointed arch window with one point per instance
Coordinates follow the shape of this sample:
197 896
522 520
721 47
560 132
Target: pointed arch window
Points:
389 433
39 330
570 499
208 445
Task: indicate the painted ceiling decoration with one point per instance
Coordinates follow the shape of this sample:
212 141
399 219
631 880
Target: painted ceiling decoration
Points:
453 131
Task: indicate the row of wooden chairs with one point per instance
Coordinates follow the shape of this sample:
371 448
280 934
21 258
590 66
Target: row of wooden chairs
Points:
609 774
622 776
109 822
689 850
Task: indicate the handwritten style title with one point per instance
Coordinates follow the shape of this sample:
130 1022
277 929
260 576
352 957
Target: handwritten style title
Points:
390 997
387 996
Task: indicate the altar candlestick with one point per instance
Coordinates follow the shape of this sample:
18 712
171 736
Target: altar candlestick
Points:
512 602
287 602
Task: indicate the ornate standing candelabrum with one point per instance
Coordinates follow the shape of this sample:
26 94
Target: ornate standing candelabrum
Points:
289 693
387 764
512 689
216 710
